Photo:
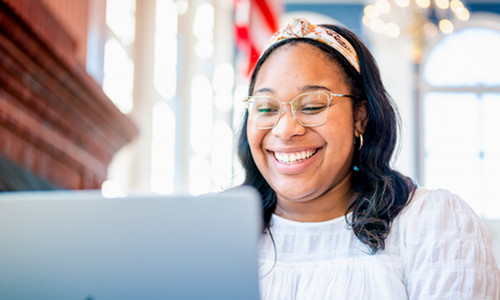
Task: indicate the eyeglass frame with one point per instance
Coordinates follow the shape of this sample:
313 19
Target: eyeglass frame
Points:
247 100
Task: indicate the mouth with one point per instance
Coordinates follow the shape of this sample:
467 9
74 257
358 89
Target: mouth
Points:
294 157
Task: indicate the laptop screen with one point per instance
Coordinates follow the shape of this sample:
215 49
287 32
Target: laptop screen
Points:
80 245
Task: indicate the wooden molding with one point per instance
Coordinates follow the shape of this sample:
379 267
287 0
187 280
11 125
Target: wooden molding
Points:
55 120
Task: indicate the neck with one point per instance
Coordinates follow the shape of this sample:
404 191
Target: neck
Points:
330 205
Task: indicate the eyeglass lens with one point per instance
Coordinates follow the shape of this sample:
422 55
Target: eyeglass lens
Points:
308 109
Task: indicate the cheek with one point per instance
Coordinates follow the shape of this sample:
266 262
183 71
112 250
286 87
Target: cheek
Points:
339 134
255 137
250 135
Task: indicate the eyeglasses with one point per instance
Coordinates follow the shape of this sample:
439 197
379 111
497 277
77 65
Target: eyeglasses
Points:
309 109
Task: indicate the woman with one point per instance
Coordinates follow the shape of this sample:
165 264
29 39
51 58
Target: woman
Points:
316 142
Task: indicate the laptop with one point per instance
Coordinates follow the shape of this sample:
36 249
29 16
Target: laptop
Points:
80 245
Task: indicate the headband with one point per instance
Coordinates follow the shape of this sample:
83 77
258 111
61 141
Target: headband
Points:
301 28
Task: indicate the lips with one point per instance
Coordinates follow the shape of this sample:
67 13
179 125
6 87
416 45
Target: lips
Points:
294 157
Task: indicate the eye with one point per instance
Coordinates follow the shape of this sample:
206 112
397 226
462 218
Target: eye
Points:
266 110
311 104
265 107
312 108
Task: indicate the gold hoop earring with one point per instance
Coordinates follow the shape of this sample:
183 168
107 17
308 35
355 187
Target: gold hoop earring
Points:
360 141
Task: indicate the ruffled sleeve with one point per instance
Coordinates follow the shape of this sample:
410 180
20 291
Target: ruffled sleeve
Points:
446 249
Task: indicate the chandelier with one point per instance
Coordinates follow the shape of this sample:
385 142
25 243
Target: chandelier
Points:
418 19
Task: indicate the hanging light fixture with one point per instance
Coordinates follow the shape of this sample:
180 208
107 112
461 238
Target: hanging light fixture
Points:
416 18
394 17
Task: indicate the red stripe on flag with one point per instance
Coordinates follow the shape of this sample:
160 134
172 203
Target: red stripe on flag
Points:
271 19
255 22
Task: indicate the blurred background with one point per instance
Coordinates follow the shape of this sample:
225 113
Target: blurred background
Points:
145 95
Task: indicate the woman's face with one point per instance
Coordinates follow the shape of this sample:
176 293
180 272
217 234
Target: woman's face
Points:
328 149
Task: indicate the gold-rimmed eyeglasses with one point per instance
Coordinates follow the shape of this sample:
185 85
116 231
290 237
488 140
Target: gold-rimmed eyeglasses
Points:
309 109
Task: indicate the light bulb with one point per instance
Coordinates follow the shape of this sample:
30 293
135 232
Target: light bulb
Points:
424 3
463 14
446 26
377 25
443 4
456 5
371 11
402 3
392 30
383 6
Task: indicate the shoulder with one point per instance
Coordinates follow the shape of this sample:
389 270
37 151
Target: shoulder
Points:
439 212
435 221
426 199
446 248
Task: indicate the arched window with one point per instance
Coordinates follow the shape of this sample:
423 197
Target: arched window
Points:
461 115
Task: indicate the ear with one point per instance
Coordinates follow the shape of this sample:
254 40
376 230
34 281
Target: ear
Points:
360 118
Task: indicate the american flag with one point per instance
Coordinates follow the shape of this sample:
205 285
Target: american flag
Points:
255 21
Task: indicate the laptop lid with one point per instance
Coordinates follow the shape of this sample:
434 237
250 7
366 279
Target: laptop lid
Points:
79 245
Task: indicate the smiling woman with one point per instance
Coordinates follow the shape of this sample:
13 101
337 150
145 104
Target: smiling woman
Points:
339 222
322 178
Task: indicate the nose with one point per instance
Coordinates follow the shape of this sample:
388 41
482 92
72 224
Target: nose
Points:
287 125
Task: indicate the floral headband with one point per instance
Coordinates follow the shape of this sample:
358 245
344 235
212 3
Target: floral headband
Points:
301 28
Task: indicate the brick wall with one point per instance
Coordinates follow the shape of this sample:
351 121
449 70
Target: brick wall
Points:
54 119
73 16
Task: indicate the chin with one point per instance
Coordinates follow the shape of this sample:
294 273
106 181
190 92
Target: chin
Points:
296 196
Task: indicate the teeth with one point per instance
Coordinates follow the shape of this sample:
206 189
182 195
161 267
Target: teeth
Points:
290 158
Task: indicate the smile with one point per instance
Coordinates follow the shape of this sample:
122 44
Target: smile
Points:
294 157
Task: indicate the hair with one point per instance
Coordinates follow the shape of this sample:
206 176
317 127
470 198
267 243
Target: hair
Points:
379 192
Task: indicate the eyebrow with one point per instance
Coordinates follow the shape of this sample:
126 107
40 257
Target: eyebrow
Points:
306 88
264 90
314 87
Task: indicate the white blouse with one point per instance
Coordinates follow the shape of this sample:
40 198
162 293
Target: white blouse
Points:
438 248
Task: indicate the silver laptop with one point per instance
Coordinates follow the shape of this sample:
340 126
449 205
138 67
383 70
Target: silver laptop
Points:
79 245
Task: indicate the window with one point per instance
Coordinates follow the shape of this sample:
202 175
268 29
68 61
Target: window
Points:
118 64
182 102
461 117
